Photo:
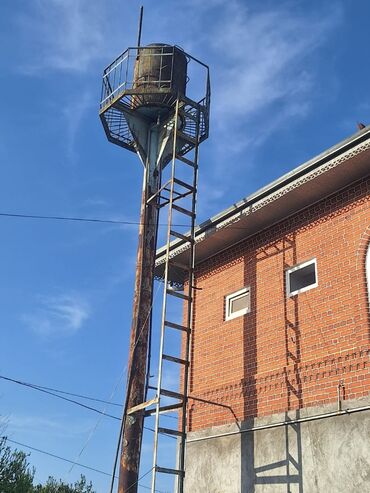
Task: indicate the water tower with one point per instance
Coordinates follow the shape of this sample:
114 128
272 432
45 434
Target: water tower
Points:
155 102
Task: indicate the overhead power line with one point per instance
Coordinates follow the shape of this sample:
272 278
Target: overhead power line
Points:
95 220
81 396
56 456
90 468
93 430
72 401
78 219
66 218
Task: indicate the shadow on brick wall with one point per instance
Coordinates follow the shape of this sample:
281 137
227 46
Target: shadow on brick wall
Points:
249 386
286 468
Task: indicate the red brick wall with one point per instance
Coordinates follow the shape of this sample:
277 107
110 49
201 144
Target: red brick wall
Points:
288 352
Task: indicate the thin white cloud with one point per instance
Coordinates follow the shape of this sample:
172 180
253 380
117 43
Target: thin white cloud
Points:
40 424
263 61
74 113
264 75
68 34
58 315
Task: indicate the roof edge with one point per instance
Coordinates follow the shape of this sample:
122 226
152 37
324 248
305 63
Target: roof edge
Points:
230 215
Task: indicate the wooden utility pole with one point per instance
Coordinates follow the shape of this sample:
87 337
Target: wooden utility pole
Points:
141 321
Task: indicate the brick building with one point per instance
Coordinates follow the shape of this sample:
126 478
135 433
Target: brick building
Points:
280 357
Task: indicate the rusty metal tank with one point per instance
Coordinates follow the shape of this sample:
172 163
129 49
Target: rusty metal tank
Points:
160 74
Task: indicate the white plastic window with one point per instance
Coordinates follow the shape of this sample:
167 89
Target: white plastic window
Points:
238 304
301 277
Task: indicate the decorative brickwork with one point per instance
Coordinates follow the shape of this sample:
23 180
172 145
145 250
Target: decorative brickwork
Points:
288 352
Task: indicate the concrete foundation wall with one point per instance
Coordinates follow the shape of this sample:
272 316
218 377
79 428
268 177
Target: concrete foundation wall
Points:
330 455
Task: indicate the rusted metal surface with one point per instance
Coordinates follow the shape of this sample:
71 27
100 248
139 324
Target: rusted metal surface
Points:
143 76
159 67
132 437
142 104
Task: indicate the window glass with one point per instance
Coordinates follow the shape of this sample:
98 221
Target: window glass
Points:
302 277
240 303
237 304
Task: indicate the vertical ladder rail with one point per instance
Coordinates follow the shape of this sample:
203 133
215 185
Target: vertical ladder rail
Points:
164 306
189 312
184 360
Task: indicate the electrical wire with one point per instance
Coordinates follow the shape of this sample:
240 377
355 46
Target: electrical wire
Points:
34 387
48 390
141 477
35 449
113 474
93 430
59 391
25 384
79 219
56 456
96 220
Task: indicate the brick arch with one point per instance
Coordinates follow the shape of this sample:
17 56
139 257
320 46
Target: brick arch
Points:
367 267
363 260
362 249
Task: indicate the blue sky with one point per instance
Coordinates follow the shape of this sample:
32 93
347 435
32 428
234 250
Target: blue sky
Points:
289 79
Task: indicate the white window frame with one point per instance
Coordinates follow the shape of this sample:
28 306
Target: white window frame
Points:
298 267
228 300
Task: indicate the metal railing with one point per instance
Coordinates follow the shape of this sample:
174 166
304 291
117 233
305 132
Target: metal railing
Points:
123 74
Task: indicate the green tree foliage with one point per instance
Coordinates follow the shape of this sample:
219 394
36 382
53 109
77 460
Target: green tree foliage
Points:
16 476
53 486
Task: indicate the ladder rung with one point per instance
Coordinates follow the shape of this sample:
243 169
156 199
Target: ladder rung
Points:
172 325
164 409
178 295
166 470
178 194
186 137
170 393
175 360
185 160
183 184
181 236
182 210
169 431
